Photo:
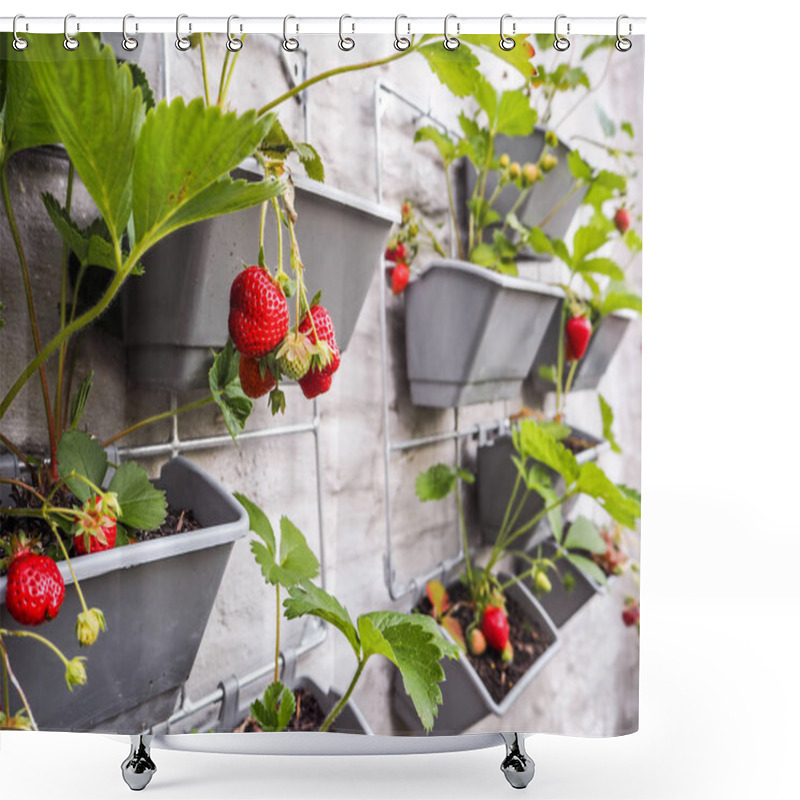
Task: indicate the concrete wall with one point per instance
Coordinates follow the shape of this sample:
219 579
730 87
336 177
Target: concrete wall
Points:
591 687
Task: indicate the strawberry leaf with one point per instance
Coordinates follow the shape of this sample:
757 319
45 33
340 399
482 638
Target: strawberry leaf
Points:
515 117
142 506
79 399
310 599
531 440
82 454
274 711
620 504
607 414
600 266
456 69
437 595
453 627
444 144
436 483
589 567
518 56
583 535
619 299
226 389
417 646
311 161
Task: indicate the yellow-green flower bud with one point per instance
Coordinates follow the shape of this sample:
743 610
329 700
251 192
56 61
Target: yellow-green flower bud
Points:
549 161
531 173
551 139
76 672
504 160
515 170
89 625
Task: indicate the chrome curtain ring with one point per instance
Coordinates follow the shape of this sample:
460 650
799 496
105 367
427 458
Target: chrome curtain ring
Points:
401 42
19 43
233 44
450 42
128 42
506 42
289 42
346 42
623 44
70 42
561 43
181 41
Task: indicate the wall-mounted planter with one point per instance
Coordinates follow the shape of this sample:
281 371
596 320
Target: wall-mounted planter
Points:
544 199
465 697
471 333
495 479
178 310
156 597
561 605
350 719
605 340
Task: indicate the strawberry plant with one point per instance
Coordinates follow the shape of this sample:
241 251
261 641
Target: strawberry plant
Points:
411 642
536 445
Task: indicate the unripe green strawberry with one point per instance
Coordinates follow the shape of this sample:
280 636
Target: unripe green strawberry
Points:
295 354
477 642
505 160
508 653
531 173
542 583
549 162
514 170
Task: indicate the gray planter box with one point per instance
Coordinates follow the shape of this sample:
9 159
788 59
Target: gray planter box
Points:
178 310
156 597
350 720
544 198
561 605
471 333
603 344
465 698
496 475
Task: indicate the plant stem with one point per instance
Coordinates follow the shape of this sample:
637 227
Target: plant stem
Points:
337 709
331 73
156 417
449 181
277 632
535 521
222 76
205 69
464 540
62 352
10 673
26 278
14 449
54 528
559 205
510 505
41 639
6 693
224 88
23 485
277 208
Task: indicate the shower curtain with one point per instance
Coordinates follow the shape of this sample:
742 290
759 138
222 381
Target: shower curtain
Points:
320 371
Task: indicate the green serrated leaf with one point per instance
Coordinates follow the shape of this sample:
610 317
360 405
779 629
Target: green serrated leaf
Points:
311 161
600 266
618 300
79 399
607 414
140 80
274 711
310 599
547 373
619 505
456 69
297 561
515 117
587 239
80 453
444 144
580 170
627 127
588 566
584 535
226 389
539 241
436 483
183 158
632 240
142 506
531 440
519 57
417 647
98 114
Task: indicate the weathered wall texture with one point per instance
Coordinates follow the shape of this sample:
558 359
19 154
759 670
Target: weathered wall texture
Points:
591 687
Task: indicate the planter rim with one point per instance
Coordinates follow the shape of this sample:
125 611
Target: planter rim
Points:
499 709
486 274
96 564
331 193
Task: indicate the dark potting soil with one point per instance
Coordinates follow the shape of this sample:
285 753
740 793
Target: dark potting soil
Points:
309 718
575 444
527 637
177 521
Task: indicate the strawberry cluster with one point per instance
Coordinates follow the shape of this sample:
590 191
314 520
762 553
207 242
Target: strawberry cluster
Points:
258 324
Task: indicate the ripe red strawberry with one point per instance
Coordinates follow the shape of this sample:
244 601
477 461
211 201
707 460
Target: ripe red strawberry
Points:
400 276
395 253
259 315
630 616
34 588
95 534
578 330
317 380
622 219
495 627
253 385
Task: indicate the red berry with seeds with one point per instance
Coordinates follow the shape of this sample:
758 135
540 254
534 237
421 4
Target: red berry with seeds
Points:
630 616
495 627
578 330
317 380
400 276
622 219
259 315
254 384
396 252
34 588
